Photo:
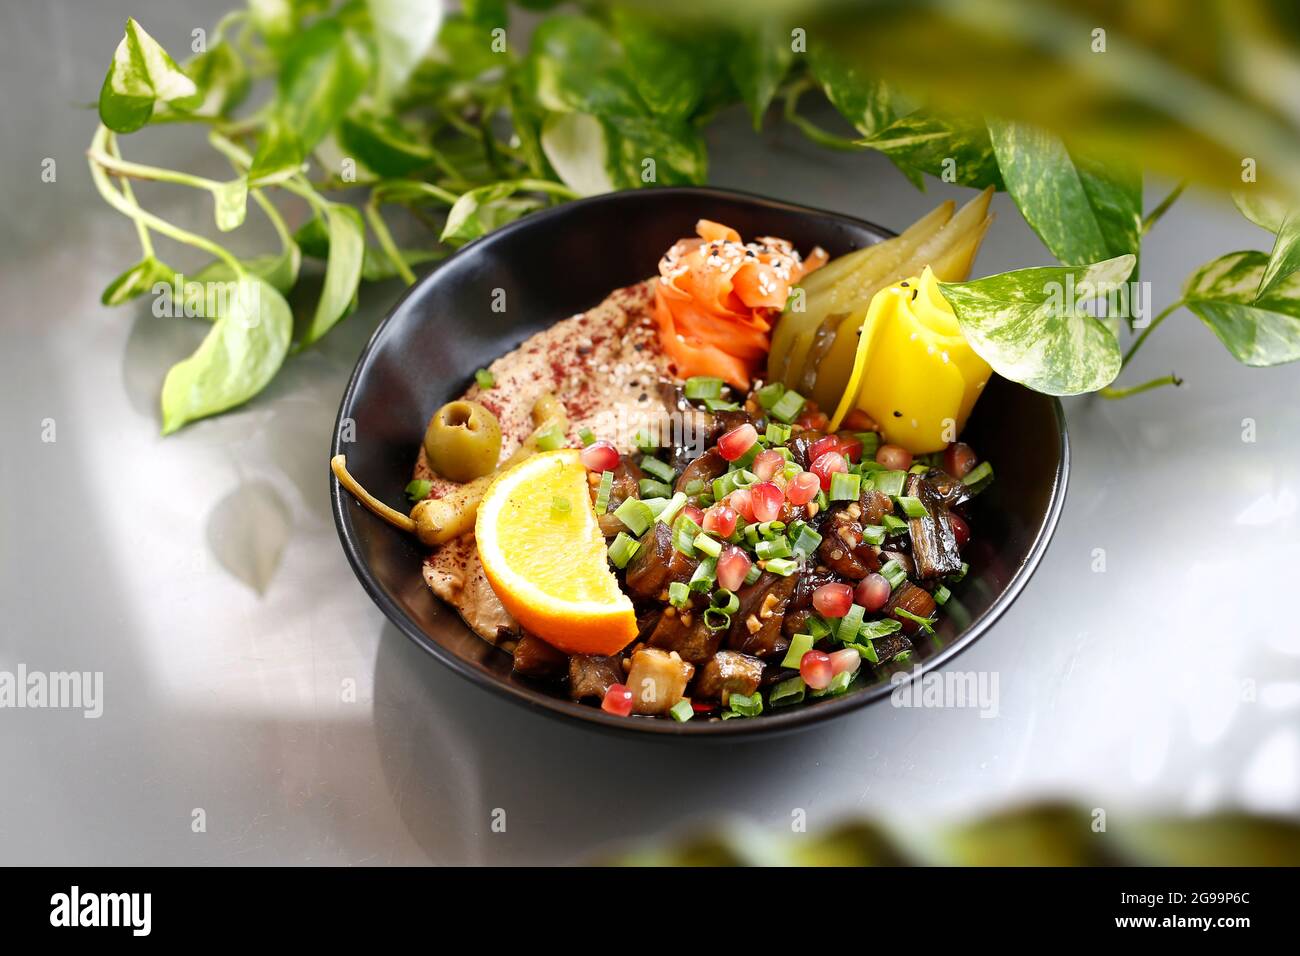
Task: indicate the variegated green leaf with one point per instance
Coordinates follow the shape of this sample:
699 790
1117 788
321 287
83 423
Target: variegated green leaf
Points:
242 352
136 281
1083 210
1030 327
941 147
140 77
1256 330
760 58
347 249
1284 260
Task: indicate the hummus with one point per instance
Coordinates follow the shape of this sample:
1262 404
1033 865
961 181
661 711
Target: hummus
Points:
607 368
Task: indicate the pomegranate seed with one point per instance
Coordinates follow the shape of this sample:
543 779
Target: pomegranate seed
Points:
694 513
960 530
850 447
767 464
720 520
768 499
958 459
736 442
803 488
848 659
618 700
858 421
822 445
894 457
827 465
733 565
873 592
600 456
833 600
743 503
816 670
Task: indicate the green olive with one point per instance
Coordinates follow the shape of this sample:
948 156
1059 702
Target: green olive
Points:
463 441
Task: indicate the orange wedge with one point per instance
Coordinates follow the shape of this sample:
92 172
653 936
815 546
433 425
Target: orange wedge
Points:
547 561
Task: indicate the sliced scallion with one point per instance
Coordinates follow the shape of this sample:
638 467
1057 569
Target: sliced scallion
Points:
587 435
805 541
912 507
893 524
941 595
746 706
705 575
845 486
800 644
679 595
653 488
725 601
788 406
777 433
699 387
685 531
788 692
873 534
682 711
894 573
484 379
710 546
623 549
850 624
670 511
551 439
782 566
603 491
769 395
778 547
890 482
925 623
979 477
636 515
716 619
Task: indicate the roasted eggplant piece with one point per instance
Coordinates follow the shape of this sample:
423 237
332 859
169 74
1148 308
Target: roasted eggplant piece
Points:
947 490
591 675
912 599
657 680
875 505
934 545
535 658
756 627
684 631
727 673
843 550
889 647
657 564
708 466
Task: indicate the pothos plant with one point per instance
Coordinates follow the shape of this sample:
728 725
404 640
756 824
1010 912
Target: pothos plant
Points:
438 116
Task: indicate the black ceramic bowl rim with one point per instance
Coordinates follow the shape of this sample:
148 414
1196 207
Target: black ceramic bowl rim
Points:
593 717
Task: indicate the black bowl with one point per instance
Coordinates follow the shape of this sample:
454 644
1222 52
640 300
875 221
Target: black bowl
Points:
556 263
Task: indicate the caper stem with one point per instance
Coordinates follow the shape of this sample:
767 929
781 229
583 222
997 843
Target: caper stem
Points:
339 465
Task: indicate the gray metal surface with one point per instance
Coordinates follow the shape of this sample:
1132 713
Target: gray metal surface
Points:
246 675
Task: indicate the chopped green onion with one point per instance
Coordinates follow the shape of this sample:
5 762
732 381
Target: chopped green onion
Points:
682 711
838 685
894 573
623 549
882 628
653 488
685 531
870 443
560 505
769 395
782 566
587 435
790 469
777 434
893 524
850 624
705 575
924 622
747 459
873 534
979 478
775 548
751 535
918 469
870 465
484 378
867 649
806 541
679 595
670 511
703 386
725 601
551 439
655 467
817 626
716 619
957 576
645 442
788 692
656 505
695 487
890 482
710 546
788 406
822 501
844 486
603 492
753 574
419 489
800 644
912 507
750 706
636 515
941 595
770 529
720 405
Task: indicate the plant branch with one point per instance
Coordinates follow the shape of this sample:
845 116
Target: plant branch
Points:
1137 343
1170 379
380 229
1163 207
